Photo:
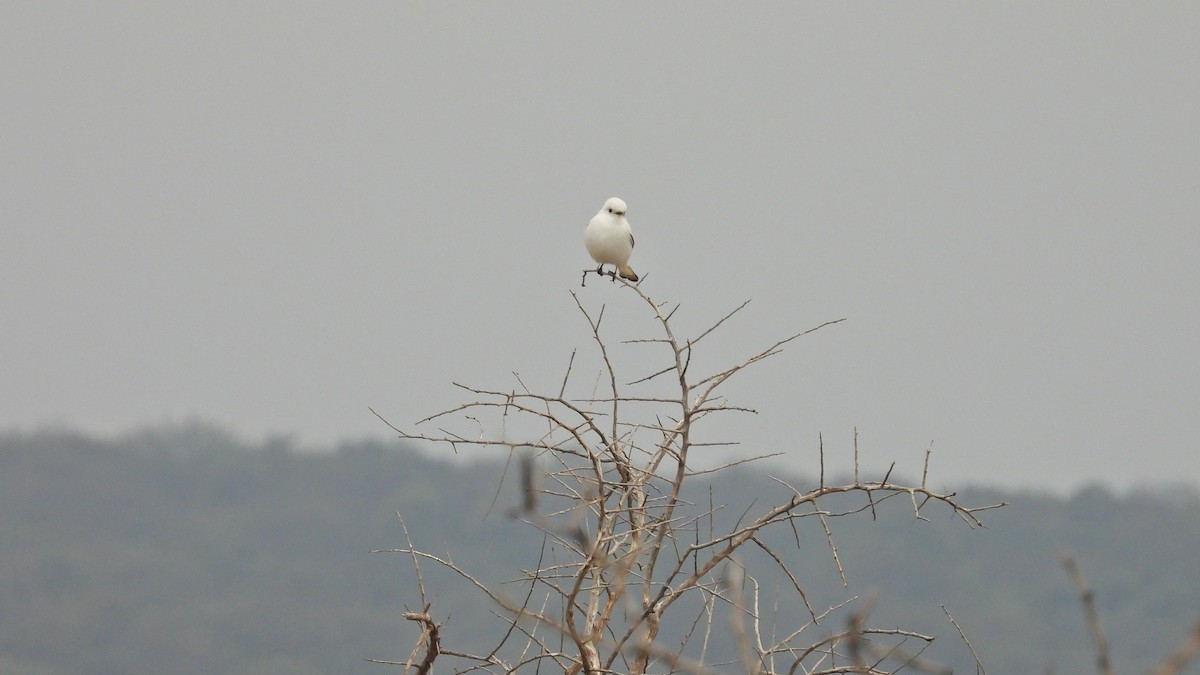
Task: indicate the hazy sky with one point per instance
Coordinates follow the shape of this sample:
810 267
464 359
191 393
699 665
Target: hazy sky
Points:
275 215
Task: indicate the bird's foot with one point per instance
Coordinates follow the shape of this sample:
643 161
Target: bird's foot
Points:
600 272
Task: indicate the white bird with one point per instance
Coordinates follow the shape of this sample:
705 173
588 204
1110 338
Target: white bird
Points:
609 239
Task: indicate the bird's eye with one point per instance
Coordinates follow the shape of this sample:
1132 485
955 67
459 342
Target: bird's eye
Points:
610 210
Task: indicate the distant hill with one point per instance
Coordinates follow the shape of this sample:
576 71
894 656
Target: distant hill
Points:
187 551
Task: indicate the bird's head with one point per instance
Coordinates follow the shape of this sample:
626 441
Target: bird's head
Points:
614 206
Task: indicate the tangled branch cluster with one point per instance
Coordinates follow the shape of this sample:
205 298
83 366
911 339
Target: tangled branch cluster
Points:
629 549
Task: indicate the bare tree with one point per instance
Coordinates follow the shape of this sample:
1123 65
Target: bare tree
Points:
605 482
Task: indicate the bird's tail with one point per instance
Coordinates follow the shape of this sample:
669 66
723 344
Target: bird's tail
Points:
627 272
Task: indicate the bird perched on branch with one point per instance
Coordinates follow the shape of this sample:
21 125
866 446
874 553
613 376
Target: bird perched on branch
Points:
609 240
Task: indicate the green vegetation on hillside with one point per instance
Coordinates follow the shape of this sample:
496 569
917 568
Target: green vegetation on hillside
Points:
187 551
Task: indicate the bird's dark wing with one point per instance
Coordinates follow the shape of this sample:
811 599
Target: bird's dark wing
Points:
631 242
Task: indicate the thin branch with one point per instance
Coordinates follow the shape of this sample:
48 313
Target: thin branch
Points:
791 577
562 390
979 669
1088 599
691 343
925 469
1175 663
